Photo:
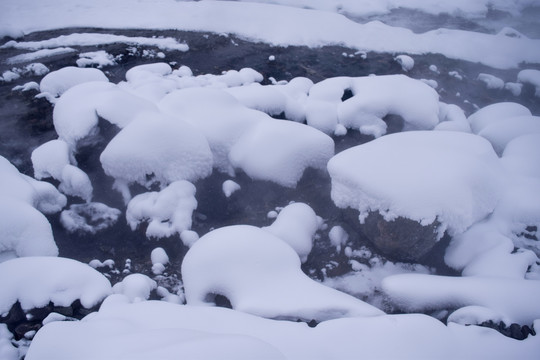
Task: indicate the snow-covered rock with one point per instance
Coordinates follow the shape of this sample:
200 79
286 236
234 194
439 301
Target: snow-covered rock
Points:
454 178
491 81
163 148
503 131
58 82
89 217
406 62
50 279
494 113
532 77
260 274
136 287
168 212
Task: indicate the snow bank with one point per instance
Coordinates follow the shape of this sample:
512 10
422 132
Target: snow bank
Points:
58 82
50 279
296 224
494 113
260 274
256 22
157 148
280 151
93 39
451 177
515 299
168 212
164 330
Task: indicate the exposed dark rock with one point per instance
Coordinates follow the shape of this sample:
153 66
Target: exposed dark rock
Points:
515 331
401 239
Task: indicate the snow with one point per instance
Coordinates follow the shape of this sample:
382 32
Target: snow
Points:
474 314
414 292
460 184
494 113
256 22
189 237
89 217
280 151
296 224
159 256
502 132
522 155
260 274
452 118
168 212
63 282
136 287
229 187
92 39
165 148
58 82
491 81
532 77
7 350
135 331
406 62
338 237
39 54
99 58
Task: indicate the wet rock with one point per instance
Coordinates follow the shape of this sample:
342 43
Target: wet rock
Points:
515 331
401 239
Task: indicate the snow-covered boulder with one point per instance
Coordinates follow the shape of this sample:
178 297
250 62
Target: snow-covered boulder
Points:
89 217
136 287
77 112
168 212
449 180
58 82
260 274
494 113
157 148
532 77
280 151
522 155
36 281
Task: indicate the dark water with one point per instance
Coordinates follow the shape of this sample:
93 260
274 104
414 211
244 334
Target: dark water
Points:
26 122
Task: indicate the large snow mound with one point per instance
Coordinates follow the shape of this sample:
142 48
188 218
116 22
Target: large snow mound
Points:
452 177
260 274
494 113
58 82
158 147
161 330
502 132
36 281
280 151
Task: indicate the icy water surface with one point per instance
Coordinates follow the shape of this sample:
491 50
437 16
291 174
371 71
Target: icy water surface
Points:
26 122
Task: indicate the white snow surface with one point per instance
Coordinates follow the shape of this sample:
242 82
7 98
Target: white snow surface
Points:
58 82
406 62
415 292
50 279
494 113
98 58
256 22
164 148
532 77
461 178
212 332
136 287
229 187
491 81
260 274
503 131
296 224
168 212
159 256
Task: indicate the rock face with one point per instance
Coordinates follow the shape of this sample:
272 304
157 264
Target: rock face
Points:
401 239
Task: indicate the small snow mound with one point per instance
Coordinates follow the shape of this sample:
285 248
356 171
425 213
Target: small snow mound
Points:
296 224
50 279
406 62
168 212
189 237
136 287
58 82
260 274
338 237
99 58
532 77
229 187
491 81
89 218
